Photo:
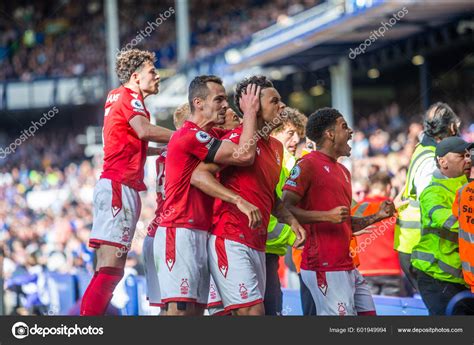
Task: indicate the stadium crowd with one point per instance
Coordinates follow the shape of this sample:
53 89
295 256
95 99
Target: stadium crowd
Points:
62 38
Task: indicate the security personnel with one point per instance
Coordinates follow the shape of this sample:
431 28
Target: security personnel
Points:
440 122
463 209
436 256
280 235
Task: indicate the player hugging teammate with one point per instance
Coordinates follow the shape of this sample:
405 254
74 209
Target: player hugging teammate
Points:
216 190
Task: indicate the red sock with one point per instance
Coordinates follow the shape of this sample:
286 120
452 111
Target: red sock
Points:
100 291
367 313
86 293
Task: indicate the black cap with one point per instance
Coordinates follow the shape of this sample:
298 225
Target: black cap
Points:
452 144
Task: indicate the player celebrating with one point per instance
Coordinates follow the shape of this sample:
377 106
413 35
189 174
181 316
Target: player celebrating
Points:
151 274
181 240
319 183
127 130
237 244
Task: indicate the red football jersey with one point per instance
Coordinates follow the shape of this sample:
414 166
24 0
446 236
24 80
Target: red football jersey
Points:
256 184
160 192
124 152
323 184
186 206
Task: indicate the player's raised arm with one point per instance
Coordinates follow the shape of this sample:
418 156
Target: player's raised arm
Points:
243 153
204 178
148 132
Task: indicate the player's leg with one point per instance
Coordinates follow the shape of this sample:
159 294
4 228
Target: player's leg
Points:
151 275
333 292
116 212
183 272
239 274
364 303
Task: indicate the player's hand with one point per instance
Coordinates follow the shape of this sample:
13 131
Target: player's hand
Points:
367 230
252 212
387 209
300 233
250 100
338 214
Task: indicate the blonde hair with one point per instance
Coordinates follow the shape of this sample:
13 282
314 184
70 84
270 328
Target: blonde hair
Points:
291 116
181 114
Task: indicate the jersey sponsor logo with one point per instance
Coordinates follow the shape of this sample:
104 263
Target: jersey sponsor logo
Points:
137 104
243 291
203 137
326 168
295 172
184 287
233 135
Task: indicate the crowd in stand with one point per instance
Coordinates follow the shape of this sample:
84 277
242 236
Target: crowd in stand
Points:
67 39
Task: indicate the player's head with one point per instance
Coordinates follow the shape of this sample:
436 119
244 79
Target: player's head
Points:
135 68
207 97
453 157
441 121
291 130
380 184
180 115
271 105
327 128
232 120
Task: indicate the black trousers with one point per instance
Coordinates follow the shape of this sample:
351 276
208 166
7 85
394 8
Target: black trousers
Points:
273 300
407 268
437 293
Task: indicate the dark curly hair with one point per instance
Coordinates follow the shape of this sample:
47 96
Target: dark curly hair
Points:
259 80
130 61
438 120
320 121
198 88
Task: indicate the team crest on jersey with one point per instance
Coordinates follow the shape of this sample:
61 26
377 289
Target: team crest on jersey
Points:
184 287
341 309
203 137
243 291
326 168
212 292
295 172
137 104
